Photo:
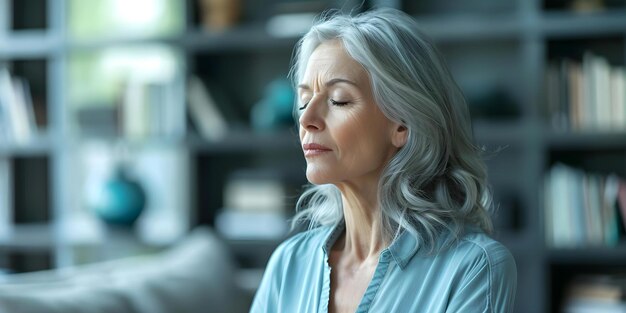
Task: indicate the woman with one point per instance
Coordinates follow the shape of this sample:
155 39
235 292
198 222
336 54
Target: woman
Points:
399 203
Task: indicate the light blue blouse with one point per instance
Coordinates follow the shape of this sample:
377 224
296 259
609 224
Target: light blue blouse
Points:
476 274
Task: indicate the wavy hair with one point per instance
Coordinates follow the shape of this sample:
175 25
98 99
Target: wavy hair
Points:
435 183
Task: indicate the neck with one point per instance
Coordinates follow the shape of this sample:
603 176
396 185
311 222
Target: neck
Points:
363 238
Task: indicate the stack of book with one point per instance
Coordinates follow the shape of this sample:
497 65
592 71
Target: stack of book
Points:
254 209
596 294
586 96
583 209
151 109
17 116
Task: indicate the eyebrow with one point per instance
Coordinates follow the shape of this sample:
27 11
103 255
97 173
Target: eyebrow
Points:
330 83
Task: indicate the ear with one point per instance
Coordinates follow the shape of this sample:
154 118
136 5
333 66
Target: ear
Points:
399 136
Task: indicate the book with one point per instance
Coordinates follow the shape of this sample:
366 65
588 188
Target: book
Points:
17 115
580 208
14 125
135 111
5 122
618 98
590 93
609 199
204 112
6 198
576 96
149 110
602 90
586 96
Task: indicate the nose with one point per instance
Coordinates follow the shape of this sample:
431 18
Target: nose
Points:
311 118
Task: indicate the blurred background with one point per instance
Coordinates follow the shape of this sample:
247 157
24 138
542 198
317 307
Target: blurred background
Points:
127 125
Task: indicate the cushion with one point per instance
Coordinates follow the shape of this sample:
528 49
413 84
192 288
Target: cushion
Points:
196 275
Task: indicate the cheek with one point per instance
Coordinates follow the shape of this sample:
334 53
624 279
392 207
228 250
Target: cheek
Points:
351 135
364 140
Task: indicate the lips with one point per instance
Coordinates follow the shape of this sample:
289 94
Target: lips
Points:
313 149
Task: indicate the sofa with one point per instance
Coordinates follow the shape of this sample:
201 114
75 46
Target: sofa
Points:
197 275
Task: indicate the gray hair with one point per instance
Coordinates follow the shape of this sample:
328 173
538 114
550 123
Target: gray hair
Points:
437 182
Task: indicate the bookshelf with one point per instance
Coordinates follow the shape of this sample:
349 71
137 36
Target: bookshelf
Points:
498 52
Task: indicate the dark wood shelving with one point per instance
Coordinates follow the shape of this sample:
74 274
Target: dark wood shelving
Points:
519 35
29 237
588 256
586 140
564 24
78 45
38 147
30 45
471 28
248 142
244 37
500 132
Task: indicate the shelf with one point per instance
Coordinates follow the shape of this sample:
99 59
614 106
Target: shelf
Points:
248 142
132 144
101 43
587 141
246 37
588 256
470 28
29 45
29 237
506 46
567 24
500 132
38 147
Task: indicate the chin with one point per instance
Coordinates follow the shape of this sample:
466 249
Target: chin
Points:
317 178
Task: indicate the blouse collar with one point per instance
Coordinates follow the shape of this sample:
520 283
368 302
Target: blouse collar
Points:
401 250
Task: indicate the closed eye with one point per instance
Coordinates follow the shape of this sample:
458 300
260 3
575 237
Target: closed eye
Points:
339 103
336 103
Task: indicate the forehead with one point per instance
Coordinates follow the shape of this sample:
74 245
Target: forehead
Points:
331 60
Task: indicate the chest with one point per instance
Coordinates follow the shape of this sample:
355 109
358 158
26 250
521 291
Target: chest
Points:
314 286
349 281
347 287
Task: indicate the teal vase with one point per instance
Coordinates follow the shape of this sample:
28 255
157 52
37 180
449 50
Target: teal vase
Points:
121 200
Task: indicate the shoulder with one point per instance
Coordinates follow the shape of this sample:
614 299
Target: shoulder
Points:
483 274
304 240
486 267
302 244
479 254
291 267
486 249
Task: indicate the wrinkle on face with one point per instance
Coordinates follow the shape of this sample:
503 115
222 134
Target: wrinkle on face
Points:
358 132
